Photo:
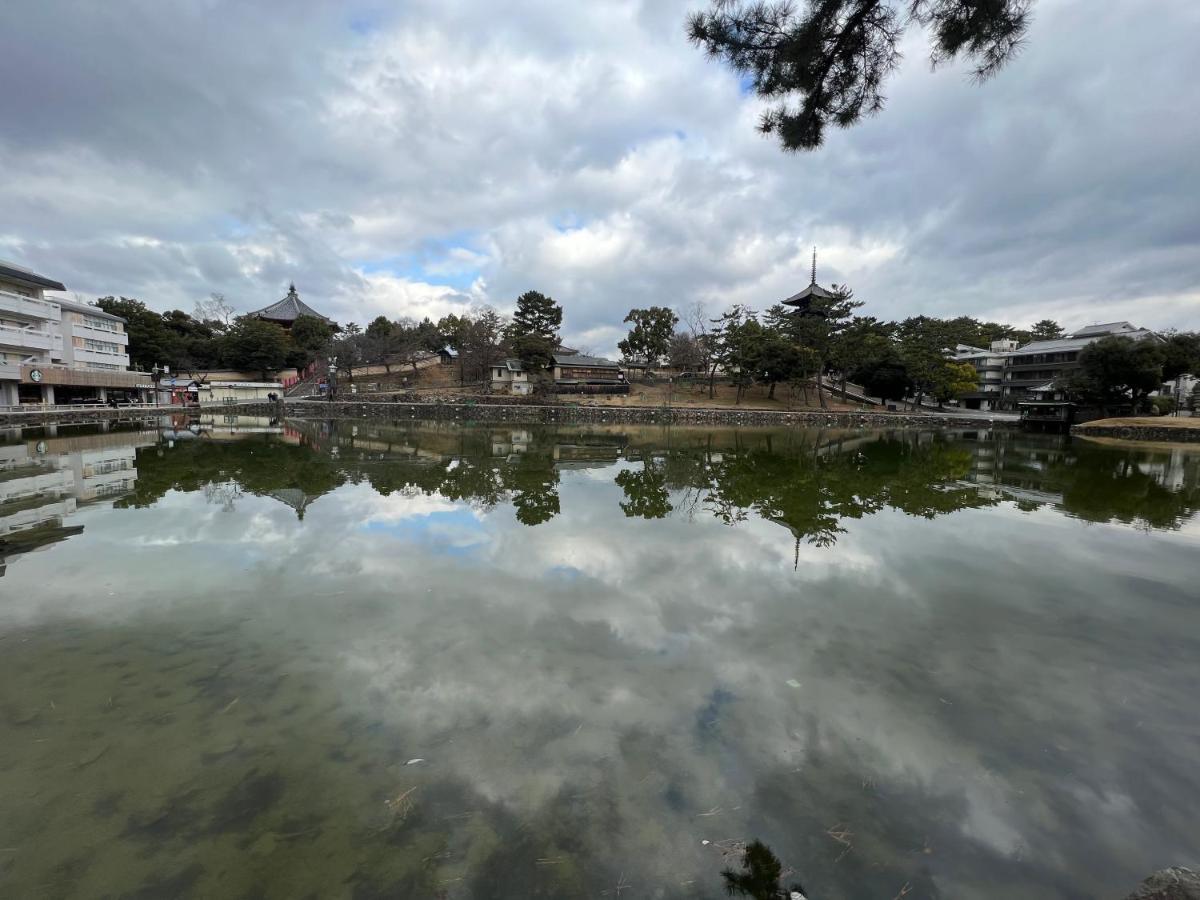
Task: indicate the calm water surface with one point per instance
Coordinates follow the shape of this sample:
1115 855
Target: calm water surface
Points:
314 660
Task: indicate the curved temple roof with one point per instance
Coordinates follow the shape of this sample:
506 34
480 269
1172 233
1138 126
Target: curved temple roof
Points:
289 309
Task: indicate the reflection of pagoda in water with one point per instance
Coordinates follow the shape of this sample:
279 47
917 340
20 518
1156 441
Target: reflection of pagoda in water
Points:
295 498
47 473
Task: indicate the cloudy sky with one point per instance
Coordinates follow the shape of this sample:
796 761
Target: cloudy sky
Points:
413 158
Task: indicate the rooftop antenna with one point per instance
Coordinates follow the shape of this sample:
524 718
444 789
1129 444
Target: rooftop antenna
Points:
814 269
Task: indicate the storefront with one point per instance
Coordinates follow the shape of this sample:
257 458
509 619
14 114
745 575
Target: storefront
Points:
62 386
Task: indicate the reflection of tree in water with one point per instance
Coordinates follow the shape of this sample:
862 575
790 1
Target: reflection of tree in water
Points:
807 484
1127 485
223 493
760 877
646 494
1149 487
257 464
534 488
808 481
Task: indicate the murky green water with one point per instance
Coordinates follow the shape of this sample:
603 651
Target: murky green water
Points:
442 661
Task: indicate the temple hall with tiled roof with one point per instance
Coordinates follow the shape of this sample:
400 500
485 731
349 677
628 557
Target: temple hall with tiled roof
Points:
286 311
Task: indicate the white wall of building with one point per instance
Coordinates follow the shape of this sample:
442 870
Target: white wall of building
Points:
54 332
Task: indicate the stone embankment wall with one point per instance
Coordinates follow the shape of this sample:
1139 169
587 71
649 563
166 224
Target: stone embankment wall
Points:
524 413
99 414
1165 433
641 415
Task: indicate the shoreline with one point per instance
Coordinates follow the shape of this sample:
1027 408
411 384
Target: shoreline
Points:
523 413
1141 430
526 413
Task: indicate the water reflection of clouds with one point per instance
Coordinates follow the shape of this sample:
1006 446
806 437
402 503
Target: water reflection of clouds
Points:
919 652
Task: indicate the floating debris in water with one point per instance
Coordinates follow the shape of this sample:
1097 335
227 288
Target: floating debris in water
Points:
413 762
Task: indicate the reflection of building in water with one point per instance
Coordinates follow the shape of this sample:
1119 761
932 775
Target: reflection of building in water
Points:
1131 483
587 455
507 442
225 428
46 476
1006 467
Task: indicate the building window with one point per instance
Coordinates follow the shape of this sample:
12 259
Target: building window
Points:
100 346
97 323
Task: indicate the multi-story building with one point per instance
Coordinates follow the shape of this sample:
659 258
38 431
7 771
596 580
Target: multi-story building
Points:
1009 374
1037 370
989 364
57 351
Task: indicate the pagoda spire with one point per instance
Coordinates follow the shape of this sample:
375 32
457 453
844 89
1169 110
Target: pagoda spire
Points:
814 266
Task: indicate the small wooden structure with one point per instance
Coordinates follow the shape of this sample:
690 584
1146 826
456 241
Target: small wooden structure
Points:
1056 415
575 368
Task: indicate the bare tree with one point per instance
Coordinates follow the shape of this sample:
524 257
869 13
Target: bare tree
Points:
214 309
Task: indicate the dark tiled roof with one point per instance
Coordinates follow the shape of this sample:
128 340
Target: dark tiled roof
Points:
1104 328
289 309
578 359
20 273
813 291
1078 341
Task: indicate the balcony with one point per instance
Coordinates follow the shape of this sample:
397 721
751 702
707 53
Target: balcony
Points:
28 306
28 338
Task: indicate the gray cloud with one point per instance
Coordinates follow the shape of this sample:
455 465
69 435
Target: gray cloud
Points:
169 150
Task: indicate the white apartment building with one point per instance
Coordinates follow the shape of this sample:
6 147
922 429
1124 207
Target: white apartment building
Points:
57 351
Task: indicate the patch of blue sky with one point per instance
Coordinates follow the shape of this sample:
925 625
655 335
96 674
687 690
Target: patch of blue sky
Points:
232 226
566 222
364 22
456 532
746 85
437 260
565 573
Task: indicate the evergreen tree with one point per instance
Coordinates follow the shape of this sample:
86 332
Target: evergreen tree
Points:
735 337
533 332
833 56
864 340
1115 371
310 338
537 314
817 328
1181 354
649 339
1046 330
151 343
253 345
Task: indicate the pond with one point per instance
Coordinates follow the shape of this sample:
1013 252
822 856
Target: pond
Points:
307 659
